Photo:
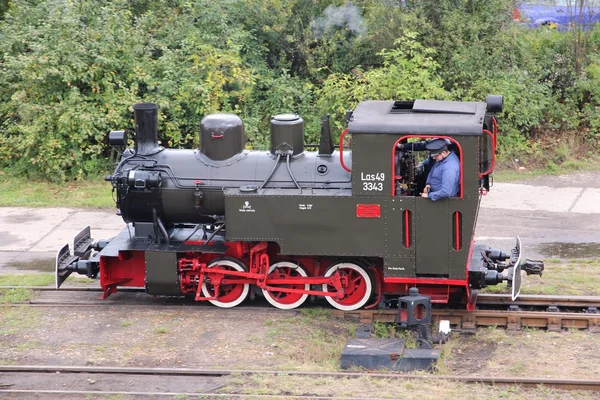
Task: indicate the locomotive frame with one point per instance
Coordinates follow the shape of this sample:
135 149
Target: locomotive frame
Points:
221 223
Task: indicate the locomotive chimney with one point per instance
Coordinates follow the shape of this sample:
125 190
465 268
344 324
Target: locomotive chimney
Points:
146 131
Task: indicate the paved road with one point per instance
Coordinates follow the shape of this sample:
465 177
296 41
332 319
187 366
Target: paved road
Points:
555 217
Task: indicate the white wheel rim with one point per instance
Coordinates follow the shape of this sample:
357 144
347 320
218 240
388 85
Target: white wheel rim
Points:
301 300
237 301
366 278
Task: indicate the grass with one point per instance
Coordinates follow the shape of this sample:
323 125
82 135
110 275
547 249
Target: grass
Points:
41 264
575 277
15 296
288 386
317 313
511 175
312 340
94 193
14 320
43 279
22 295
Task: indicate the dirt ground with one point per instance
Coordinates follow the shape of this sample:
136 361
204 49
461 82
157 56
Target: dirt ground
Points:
204 337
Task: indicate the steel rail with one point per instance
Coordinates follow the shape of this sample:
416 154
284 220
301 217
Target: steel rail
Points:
462 320
558 383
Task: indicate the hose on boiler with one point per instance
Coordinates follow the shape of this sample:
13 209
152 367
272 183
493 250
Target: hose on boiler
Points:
272 171
287 162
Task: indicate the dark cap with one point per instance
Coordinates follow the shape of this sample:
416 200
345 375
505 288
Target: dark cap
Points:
436 145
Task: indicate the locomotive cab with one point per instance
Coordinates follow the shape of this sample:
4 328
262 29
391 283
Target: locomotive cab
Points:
426 242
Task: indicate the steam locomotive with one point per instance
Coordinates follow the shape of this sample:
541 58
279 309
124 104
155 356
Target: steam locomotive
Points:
221 223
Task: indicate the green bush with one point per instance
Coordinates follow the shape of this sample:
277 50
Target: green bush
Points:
70 71
408 72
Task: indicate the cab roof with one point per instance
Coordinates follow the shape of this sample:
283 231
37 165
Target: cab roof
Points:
428 117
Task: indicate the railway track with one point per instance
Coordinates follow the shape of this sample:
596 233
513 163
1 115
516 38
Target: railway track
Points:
460 320
553 313
562 384
540 302
469 321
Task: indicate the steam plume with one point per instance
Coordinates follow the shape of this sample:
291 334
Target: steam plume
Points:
346 16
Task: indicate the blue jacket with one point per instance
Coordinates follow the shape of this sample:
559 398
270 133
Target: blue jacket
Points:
444 178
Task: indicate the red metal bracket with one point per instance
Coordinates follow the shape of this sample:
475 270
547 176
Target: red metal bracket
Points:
259 263
110 287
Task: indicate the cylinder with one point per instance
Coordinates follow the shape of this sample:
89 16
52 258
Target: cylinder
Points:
221 136
287 134
146 128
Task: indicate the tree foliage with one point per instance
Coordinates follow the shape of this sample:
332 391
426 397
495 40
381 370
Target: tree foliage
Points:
70 70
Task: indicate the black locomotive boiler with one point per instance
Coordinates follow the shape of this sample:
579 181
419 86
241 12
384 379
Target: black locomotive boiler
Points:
221 223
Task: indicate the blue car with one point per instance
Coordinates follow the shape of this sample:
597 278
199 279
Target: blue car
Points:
559 14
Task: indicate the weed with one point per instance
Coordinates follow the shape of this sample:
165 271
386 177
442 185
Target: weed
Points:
161 330
517 367
410 339
125 324
318 313
546 391
492 335
352 330
380 330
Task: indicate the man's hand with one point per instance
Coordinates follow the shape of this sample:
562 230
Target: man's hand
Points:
426 190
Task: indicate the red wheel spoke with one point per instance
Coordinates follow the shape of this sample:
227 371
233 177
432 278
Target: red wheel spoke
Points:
284 300
357 290
229 295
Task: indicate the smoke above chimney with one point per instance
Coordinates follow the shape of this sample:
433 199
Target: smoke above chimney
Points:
346 16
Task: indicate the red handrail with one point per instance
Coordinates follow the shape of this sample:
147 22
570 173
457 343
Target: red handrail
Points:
342 150
495 123
489 170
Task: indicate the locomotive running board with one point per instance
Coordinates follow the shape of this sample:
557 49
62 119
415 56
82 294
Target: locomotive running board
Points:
515 259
